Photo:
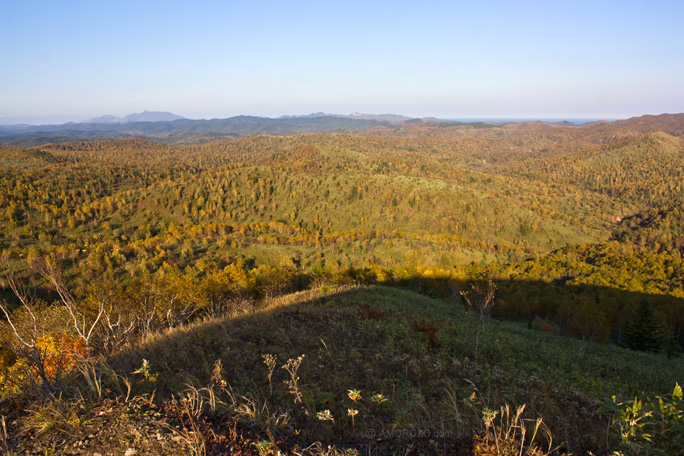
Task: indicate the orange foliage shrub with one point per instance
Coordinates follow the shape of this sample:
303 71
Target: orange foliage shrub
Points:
60 353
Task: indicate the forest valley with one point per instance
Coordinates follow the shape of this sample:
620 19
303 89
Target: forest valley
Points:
529 265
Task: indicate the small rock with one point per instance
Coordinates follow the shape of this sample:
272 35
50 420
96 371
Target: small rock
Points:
130 452
97 454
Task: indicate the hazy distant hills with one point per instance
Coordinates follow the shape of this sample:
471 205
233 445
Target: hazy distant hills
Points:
354 115
104 119
170 128
145 116
185 130
159 116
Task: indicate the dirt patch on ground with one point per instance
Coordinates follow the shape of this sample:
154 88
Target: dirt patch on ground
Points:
111 428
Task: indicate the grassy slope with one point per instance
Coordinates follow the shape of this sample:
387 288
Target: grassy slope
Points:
379 340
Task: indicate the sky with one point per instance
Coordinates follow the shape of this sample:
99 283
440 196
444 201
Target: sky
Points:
71 60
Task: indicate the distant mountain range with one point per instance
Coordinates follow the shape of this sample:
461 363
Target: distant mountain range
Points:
358 115
183 130
145 116
354 115
160 116
170 128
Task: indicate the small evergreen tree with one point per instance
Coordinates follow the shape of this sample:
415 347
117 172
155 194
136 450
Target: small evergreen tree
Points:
644 330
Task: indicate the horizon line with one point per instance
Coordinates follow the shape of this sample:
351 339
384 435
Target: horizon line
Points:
18 120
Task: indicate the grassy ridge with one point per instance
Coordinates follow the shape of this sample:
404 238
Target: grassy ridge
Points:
415 351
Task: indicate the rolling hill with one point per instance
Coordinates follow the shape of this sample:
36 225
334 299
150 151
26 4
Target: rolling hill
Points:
364 245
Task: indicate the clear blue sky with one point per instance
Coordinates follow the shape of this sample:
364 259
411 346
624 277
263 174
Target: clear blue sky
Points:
71 60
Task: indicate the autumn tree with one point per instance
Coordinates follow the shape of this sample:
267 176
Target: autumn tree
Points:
480 298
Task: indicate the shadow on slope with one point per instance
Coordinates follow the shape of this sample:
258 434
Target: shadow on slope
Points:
418 353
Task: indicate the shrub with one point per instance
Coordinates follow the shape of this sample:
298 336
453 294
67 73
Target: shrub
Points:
649 426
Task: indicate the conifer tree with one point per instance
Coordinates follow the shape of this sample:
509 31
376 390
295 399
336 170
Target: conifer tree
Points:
644 330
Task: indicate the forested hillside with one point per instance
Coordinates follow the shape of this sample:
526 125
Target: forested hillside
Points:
327 203
577 228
